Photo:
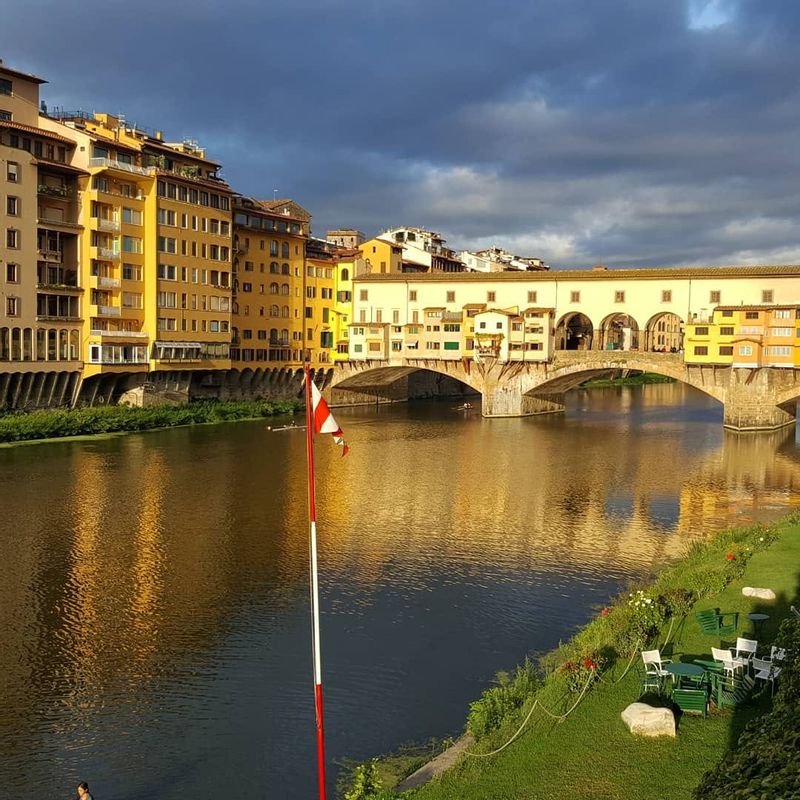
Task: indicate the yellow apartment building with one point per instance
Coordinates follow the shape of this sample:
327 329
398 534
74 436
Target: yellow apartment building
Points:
41 303
746 336
382 257
156 251
349 264
268 287
114 191
320 304
191 214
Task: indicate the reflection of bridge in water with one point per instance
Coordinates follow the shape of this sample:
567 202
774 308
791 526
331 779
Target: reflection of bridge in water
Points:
762 399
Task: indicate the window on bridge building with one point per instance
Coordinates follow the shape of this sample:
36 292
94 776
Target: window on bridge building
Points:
532 297
619 297
726 330
767 296
701 351
490 297
574 297
666 296
726 350
451 297
714 297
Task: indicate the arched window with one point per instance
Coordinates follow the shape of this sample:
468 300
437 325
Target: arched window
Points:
285 311
16 344
273 335
4 344
285 288
41 344
63 345
52 344
273 288
273 268
273 248
285 250
345 274
284 336
284 269
27 344
74 344
273 311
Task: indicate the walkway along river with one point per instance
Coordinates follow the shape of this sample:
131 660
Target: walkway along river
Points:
153 595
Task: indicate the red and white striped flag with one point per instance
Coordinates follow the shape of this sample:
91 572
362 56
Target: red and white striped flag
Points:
323 419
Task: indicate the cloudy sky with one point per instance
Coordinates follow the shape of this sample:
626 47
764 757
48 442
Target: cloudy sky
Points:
623 132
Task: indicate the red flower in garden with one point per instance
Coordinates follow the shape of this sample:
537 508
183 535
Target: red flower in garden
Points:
604 612
730 556
589 664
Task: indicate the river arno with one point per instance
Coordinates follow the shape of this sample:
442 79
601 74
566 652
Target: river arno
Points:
153 595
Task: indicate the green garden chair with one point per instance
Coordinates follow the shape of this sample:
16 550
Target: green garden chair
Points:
691 701
712 621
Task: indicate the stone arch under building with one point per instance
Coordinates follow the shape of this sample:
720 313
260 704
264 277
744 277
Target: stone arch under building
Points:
618 331
664 333
574 332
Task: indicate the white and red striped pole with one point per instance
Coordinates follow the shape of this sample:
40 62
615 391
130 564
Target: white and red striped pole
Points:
314 585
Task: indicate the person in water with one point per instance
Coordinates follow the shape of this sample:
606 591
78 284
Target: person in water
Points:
83 791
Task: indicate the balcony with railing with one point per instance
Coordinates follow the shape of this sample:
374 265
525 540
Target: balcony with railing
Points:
113 163
107 334
108 283
108 225
63 192
109 311
107 254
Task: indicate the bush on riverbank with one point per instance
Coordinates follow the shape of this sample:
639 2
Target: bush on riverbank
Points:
57 423
766 761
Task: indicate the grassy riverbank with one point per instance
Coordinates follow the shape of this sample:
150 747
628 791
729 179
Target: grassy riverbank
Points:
632 380
60 423
591 754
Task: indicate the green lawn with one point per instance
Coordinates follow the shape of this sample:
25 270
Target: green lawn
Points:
592 755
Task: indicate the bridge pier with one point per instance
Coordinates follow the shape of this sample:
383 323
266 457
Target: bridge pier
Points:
751 401
508 401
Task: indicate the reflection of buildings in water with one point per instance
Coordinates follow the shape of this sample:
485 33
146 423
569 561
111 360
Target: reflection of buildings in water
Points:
513 498
748 475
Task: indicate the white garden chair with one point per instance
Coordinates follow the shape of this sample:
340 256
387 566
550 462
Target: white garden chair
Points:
654 672
730 663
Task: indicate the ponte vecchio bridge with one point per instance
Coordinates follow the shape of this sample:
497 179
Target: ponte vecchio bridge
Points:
587 324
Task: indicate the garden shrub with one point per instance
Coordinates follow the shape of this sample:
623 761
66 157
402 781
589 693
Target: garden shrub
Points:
500 702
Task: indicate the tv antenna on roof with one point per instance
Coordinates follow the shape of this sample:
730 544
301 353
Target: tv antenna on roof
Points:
274 194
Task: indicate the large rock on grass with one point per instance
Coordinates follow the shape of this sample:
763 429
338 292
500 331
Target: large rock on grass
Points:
645 720
754 591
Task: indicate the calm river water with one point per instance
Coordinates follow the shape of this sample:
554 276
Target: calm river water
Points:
154 633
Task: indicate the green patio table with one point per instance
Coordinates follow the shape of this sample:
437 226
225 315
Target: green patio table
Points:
692 672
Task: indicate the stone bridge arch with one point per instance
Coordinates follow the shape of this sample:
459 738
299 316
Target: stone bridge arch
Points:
370 381
567 373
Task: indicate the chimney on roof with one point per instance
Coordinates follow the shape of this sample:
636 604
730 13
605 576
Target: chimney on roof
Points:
160 135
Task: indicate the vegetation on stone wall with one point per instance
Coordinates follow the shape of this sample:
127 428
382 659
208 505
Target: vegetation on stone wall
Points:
52 424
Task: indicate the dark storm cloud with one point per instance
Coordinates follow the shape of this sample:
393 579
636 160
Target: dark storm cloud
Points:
654 132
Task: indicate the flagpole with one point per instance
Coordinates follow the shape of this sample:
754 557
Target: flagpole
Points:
314 584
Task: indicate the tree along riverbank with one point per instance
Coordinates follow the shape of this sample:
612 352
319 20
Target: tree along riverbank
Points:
561 713
98 420
631 380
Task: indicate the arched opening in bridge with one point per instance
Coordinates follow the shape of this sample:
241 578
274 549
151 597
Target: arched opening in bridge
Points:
619 332
393 384
664 333
574 332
